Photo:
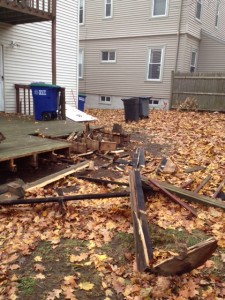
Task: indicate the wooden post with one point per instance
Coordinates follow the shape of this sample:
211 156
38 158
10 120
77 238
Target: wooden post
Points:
54 42
17 98
171 89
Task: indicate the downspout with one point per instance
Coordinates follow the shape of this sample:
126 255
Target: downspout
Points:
178 36
54 42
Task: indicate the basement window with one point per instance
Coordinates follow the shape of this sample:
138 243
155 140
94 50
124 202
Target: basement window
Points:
105 100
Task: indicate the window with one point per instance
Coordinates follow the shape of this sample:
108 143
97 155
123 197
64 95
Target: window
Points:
108 56
108 8
159 8
193 61
217 13
155 62
105 99
81 11
198 9
154 102
81 63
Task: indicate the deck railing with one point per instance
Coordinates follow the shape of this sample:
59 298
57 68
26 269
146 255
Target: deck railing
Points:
38 5
24 101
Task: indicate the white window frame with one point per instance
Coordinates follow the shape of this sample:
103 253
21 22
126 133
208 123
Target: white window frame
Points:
166 10
81 56
217 13
104 101
196 59
82 12
198 2
162 48
108 61
108 2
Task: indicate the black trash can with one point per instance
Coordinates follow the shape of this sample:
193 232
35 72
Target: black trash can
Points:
131 109
144 107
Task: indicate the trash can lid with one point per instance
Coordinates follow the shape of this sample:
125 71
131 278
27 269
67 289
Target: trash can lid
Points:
43 84
82 95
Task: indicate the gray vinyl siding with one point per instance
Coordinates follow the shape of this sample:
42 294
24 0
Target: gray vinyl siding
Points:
211 55
130 19
191 44
207 23
31 60
128 76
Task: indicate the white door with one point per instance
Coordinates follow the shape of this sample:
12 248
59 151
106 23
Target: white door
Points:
1 80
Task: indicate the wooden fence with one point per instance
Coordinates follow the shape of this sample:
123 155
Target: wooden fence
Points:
208 89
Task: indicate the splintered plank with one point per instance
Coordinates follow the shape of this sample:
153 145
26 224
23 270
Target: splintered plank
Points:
218 190
191 196
143 246
195 256
56 176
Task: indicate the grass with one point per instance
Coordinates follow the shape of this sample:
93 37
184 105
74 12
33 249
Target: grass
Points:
27 285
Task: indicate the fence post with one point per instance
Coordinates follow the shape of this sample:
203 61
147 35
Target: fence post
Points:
171 88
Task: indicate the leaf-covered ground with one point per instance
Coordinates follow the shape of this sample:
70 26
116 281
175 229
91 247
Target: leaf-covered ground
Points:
86 251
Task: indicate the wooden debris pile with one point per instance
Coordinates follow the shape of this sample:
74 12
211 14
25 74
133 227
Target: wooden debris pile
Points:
99 139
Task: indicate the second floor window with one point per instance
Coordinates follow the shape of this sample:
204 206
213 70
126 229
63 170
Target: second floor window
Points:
81 63
108 56
108 8
81 12
159 8
193 61
198 9
217 13
155 63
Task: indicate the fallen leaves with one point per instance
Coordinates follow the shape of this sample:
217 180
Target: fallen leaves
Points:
86 286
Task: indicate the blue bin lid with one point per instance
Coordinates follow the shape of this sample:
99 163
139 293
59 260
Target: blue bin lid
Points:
43 84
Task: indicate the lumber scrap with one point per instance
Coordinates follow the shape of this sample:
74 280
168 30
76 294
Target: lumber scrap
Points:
191 196
61 199
143 247
218 190
187 183
171 196
202 184
195 256
194 169
56 176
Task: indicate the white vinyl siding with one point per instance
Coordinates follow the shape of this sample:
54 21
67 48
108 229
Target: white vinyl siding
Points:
159 8
108 8
198 14
31 60
108 56
193 64
81 11
155 63
81 63
217 13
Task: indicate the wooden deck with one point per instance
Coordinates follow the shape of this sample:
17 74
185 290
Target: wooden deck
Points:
22 140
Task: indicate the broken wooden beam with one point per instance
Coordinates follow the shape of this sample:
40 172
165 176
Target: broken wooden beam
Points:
171 196
104 181
195 256
65 198
191 196
187 183
56 176
194 169
143 246
202 184
218 190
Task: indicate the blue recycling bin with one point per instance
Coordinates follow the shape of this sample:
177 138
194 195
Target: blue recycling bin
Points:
45 98
81 102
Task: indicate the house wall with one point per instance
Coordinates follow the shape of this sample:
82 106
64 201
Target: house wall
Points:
130 19
207 23
30 59
211 55
128 76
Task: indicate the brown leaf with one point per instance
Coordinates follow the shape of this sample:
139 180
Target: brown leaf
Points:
87 286
39 268
40 276
55 294
78 258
